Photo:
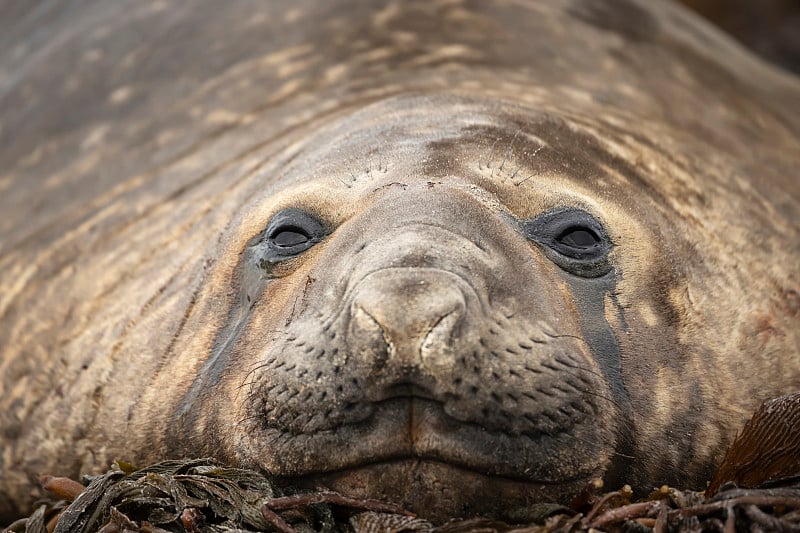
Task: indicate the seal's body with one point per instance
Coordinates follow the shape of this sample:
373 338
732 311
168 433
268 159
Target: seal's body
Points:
461 255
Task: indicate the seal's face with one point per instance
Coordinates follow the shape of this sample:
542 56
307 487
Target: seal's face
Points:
441 346
419 340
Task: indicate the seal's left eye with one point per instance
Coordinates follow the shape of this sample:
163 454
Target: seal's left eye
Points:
289 237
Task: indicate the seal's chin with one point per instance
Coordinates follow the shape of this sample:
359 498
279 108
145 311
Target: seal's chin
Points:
411 453
439 491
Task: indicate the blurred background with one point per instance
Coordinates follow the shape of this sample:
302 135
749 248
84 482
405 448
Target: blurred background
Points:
771 28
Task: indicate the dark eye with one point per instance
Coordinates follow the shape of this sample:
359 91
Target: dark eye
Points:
573 239
289 233
579 239
289 237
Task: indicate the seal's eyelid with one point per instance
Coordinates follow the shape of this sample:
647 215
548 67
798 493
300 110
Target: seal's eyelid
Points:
579 237
559 222
289 233
573 239
289 236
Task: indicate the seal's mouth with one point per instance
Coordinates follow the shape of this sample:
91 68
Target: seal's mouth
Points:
417 429
410 452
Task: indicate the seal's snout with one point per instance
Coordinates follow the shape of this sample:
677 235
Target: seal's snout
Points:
410 317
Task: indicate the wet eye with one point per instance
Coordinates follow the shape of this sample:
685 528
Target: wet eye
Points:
579 239
573 239
289 233
289 237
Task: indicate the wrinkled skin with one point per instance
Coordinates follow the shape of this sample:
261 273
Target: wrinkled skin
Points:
461 257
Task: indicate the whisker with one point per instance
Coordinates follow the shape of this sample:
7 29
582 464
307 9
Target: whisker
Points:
491 155
508 151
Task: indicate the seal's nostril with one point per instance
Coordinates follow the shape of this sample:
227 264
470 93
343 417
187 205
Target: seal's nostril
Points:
367 336
440 335
363 320
445 324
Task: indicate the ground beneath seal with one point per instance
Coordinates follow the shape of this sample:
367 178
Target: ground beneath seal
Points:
202 496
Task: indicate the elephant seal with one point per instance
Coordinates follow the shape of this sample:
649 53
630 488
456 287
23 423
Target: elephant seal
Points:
460 255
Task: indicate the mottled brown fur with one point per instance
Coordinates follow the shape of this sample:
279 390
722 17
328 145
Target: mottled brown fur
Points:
142 155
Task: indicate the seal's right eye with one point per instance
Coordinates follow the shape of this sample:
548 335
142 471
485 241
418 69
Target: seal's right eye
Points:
578 242
573 239
289 233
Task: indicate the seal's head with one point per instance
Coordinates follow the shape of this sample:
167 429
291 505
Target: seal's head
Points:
428 313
